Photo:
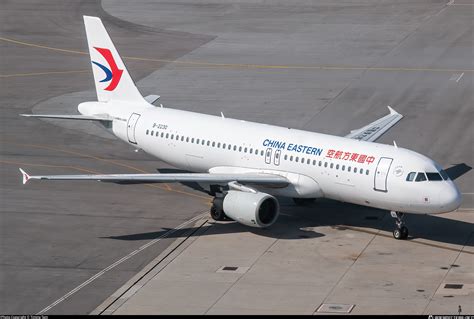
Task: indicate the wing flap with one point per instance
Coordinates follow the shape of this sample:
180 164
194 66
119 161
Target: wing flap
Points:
166 178
374 130
70 117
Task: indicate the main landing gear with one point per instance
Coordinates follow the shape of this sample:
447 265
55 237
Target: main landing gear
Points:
217 209
401 232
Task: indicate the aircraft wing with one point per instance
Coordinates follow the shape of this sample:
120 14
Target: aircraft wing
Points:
70 117
374 130
253 178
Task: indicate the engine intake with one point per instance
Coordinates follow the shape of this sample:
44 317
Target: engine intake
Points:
252 209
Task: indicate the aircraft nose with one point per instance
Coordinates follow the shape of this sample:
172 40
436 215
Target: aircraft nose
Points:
450 198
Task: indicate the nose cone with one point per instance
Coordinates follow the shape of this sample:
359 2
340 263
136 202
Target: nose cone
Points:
450 198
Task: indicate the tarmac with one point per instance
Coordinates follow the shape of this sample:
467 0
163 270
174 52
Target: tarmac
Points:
76 248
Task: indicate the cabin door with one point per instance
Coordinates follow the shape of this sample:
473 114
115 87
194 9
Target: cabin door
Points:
132 122
381 174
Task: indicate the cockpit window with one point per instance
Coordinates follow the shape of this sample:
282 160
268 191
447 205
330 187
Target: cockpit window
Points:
434 176
411 176
444 174
420 177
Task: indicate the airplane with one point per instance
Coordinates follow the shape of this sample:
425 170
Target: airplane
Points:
245 165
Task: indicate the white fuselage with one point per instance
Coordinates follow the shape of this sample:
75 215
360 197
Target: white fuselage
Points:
317 165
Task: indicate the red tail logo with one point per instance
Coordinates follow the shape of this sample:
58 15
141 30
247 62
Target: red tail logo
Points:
113 74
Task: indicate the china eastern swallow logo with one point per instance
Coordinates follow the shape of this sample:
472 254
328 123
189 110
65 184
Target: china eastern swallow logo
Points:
113 74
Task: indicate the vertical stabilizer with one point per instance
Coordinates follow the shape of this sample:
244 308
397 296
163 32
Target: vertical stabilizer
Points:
112 80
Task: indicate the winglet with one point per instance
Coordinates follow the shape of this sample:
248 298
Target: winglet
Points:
392 111
26 177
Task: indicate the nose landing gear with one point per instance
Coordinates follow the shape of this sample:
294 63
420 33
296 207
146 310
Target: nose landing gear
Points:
401 232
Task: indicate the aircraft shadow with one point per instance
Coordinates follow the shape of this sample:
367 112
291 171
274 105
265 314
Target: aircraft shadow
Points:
300 222
192 185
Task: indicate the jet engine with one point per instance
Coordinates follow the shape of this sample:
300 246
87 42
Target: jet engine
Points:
252 209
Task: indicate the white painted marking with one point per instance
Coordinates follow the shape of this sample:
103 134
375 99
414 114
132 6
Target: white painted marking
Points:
454 77
459 78
118 262
451 3
442 10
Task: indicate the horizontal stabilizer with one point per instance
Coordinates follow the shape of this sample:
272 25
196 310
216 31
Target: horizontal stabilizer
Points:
152 98
70 117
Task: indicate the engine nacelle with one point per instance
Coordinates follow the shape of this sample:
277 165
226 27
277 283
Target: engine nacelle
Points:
252 209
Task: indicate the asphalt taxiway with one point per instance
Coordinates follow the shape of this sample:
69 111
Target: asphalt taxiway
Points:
315 65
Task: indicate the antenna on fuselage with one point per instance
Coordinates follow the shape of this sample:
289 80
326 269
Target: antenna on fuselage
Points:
395 144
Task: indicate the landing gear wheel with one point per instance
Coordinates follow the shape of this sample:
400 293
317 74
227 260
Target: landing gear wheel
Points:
217 209
401 232
404 232
397 233
217 214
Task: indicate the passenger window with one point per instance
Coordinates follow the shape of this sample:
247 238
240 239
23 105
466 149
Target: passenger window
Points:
261 153
291 158
167 135
192 140
366 172
177 137
172 136
223 146
308 161
325 164
420 177
297 159
314 162
343 167
147 132
203 142
361 171
251 151
208 143
162 134
411 176
320 163
213 144
197 141
240 148
433 176
337 166
229 147
332 165
286 157
218 144
348 168
245 150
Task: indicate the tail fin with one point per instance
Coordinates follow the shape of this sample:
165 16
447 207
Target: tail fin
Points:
112 81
